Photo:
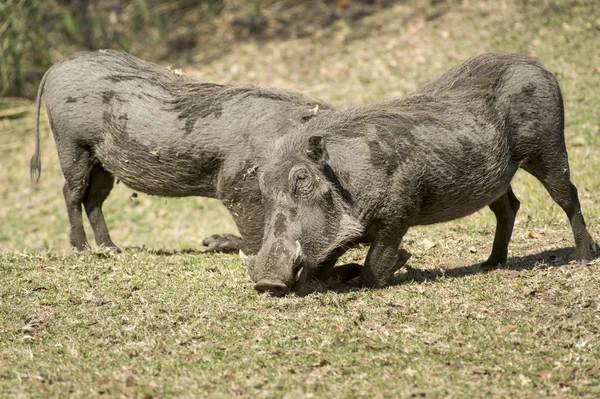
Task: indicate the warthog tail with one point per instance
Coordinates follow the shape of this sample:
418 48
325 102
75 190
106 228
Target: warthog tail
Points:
35 165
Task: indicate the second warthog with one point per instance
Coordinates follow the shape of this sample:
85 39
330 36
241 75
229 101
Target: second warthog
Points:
161 133
369 173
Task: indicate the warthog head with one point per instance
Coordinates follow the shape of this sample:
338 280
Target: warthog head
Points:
307 219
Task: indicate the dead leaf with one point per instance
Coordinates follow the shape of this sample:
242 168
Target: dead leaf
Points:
255 382
524 380
473 250
587 303
321 363
482 372
535 293
508 327
509 273
533 234
410 372
427 244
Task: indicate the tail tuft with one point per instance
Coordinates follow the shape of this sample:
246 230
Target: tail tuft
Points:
35 168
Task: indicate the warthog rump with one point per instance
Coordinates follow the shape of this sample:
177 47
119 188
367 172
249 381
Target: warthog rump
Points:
368 173
161 133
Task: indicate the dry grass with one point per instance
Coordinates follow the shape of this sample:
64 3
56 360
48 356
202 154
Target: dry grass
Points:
160 320
148 324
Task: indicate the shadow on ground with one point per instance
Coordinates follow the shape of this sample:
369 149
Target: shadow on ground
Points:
167 252
551 258
554 258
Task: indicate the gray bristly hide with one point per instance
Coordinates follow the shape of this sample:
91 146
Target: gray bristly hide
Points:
369 173
160 132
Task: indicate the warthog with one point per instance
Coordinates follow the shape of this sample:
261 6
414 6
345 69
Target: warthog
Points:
369 173
161 133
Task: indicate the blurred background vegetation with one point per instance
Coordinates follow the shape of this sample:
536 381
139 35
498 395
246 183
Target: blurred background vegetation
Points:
35 33
343 51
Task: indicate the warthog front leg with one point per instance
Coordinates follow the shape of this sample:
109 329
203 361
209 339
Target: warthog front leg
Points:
327 271
345 273
349 271
383 260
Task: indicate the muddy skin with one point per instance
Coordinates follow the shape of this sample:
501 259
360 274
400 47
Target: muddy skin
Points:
114 116
452 147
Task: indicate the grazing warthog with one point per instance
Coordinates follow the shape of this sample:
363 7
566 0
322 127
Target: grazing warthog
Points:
161 133
369 173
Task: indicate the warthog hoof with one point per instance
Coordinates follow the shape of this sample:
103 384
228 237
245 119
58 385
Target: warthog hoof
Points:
222 243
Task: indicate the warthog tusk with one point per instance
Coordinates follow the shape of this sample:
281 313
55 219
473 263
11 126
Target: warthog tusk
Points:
245 259
298 256
299 273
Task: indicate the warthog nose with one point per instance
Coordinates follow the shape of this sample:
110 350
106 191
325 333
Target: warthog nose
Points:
272 287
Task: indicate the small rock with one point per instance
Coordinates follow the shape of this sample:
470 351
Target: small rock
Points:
427 244
524 380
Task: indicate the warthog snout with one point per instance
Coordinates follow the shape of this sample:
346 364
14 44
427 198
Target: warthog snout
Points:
274 288
287 273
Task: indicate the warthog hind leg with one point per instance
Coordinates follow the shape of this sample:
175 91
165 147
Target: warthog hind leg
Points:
75 164
77 237
100 184
554 174
505 209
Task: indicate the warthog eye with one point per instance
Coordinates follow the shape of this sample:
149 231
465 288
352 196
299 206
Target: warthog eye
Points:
301 181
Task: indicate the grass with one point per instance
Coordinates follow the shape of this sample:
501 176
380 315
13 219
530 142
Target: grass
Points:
164 319
158 324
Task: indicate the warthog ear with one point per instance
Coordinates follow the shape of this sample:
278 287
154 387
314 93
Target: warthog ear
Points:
316 149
